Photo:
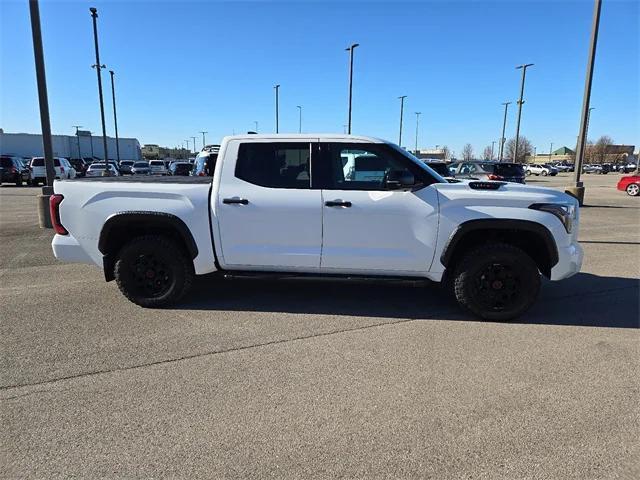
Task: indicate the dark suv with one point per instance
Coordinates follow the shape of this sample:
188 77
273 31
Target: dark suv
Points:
479 170
12 170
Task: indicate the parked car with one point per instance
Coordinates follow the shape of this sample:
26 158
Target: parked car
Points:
490 240
591 168
140 168
125 167
553 170
442 169
79 165
180 168
479 170
96 169
630 184
561 167
158 167
12 170
537 169
204 164
62 167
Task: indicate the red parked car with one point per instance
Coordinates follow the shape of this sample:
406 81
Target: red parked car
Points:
630 184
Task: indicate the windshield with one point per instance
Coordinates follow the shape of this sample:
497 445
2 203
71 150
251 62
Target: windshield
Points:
419 163
141 165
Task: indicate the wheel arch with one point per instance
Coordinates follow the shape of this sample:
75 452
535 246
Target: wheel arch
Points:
123 226
533 238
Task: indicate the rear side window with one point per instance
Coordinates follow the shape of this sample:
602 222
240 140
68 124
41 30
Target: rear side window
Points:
275 165
510 170
37 162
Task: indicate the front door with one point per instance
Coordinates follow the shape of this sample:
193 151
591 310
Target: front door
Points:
269 217
370 224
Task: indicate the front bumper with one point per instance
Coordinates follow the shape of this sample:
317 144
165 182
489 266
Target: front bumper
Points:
569 261
67 249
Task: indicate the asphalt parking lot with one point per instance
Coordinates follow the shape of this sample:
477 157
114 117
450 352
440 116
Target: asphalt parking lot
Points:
293 379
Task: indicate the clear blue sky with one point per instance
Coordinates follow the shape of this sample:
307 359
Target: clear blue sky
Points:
183 67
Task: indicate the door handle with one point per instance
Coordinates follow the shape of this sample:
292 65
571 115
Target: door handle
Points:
337 203
235 200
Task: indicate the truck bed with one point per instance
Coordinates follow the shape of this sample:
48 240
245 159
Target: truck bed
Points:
145 179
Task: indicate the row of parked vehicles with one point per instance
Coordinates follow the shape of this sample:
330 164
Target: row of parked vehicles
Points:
31 171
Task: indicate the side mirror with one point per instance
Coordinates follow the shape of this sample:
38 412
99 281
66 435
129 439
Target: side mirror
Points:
399 179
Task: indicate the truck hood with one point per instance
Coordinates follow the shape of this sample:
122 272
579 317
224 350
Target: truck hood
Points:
507 195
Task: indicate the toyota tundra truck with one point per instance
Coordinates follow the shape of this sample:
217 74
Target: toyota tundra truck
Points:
320 205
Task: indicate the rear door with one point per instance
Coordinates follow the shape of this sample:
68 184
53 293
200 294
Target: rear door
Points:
369 225
269 217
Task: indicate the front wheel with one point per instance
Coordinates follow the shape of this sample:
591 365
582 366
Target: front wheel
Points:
544 173
153 271
496 282
633 189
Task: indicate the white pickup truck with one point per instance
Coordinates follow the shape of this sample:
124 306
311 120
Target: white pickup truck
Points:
283 204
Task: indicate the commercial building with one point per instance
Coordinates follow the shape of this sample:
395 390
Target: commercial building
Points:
69 146
151 151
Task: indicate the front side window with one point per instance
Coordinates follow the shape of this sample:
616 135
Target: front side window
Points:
369 167
275 165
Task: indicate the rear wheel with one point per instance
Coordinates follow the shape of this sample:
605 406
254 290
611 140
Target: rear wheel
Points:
19 181
496 282
153 271
633 189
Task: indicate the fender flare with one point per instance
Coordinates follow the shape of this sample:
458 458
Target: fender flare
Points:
140 218
500 224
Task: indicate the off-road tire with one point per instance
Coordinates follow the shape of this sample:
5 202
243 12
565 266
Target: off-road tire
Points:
153 271
496 281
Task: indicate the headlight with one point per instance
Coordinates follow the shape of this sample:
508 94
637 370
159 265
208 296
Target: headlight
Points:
566 212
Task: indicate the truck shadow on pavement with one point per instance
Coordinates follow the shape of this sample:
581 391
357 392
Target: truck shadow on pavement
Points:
583 300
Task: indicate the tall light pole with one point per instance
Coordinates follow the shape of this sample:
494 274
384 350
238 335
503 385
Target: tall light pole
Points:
43 100
350 50
78 139
91 141
520 102
417 122
98 66
188 151
492 145
578 189
256 122
203 142
401 98
299 107
504 126
194 144
550 151
586 135
277 89
115 116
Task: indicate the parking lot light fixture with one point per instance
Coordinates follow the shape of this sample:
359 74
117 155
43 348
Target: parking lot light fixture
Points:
98 66
350 50
401 98
203 141
78 139
520 103
277 89
577 190
504 126
115 116
417 123
299 107
194 144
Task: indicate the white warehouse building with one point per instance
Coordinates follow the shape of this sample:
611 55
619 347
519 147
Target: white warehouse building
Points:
30 145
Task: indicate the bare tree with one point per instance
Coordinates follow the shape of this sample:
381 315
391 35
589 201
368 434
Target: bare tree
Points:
446 152
601 147
524 149
487 152
467 152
